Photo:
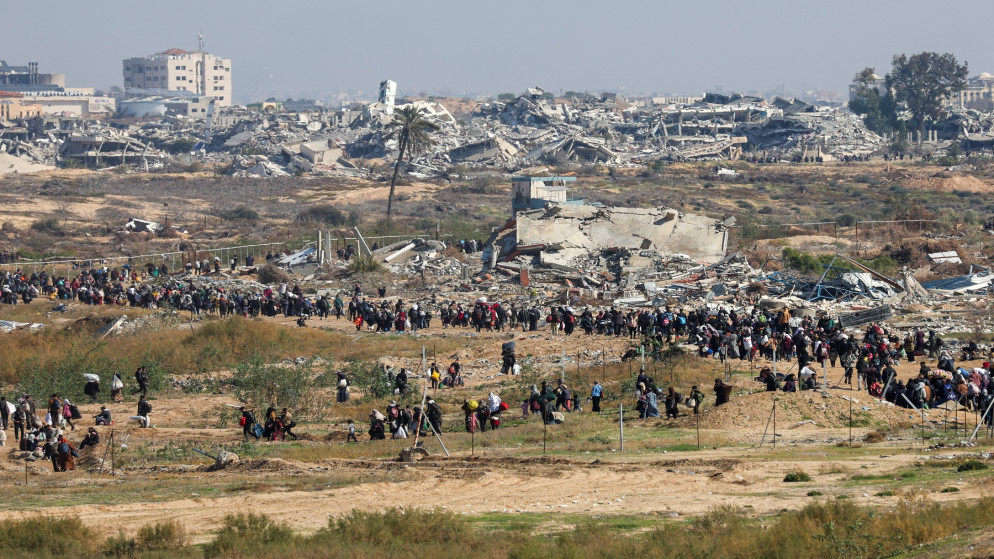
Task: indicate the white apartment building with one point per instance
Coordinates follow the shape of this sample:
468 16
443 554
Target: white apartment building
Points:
197 72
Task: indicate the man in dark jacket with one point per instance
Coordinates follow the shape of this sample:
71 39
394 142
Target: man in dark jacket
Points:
144 408
248 420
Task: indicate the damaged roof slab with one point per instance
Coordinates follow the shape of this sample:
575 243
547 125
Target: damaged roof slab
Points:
665 230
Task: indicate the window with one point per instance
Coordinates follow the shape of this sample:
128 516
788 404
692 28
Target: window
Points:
221 88
221 98
177 67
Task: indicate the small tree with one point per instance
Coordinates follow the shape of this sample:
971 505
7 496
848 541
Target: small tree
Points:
924 81
879 110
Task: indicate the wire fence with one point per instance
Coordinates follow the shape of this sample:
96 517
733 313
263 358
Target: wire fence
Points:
172 260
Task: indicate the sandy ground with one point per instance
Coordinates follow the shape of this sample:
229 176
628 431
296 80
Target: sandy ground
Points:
13 164
508 479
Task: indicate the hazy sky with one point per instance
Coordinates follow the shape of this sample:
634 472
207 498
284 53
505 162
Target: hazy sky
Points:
318 49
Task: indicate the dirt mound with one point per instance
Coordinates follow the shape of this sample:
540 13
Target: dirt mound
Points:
285 467
944 181
799 409
719 464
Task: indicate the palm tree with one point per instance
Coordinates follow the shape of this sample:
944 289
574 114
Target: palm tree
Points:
411 129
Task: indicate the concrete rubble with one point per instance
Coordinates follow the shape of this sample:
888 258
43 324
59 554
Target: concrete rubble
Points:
533 129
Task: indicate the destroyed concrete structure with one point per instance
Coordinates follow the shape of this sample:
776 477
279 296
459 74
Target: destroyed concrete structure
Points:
505 135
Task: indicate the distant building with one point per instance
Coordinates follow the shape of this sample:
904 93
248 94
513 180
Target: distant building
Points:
530 193
388 95
874 82
12 106
30 92
175 70
27 76
977 94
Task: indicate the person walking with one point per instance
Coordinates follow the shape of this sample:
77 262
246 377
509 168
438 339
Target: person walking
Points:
6 408
288 423
696 397
595 396
141 377
20 419
351 437
247 421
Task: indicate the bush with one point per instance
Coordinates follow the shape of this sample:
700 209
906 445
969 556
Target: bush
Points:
395 527
271 274
814 493
875 437
971 465
165 536
248 535
262 385
242 212
329 215
796 476
47 225
846 220
950 490
46 537
370 378
364 265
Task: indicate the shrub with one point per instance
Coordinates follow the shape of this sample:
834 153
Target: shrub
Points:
796 476
47 225
971 465
875 437
949 490
262 385
396 526
370 378
271 274
165 536
814 493
46 537
243 213
329 215
247 534
846 220
364 265
884 494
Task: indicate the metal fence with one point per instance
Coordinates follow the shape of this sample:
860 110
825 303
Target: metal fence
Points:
173 260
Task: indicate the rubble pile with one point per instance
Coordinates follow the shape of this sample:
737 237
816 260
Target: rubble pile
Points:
508 135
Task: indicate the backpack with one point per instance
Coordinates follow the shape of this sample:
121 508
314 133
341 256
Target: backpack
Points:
63 449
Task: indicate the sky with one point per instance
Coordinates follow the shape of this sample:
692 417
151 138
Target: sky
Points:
342 50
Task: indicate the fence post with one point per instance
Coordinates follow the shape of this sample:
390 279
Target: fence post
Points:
621 425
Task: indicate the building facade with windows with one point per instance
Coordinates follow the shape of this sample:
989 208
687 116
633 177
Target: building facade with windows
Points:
195 72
